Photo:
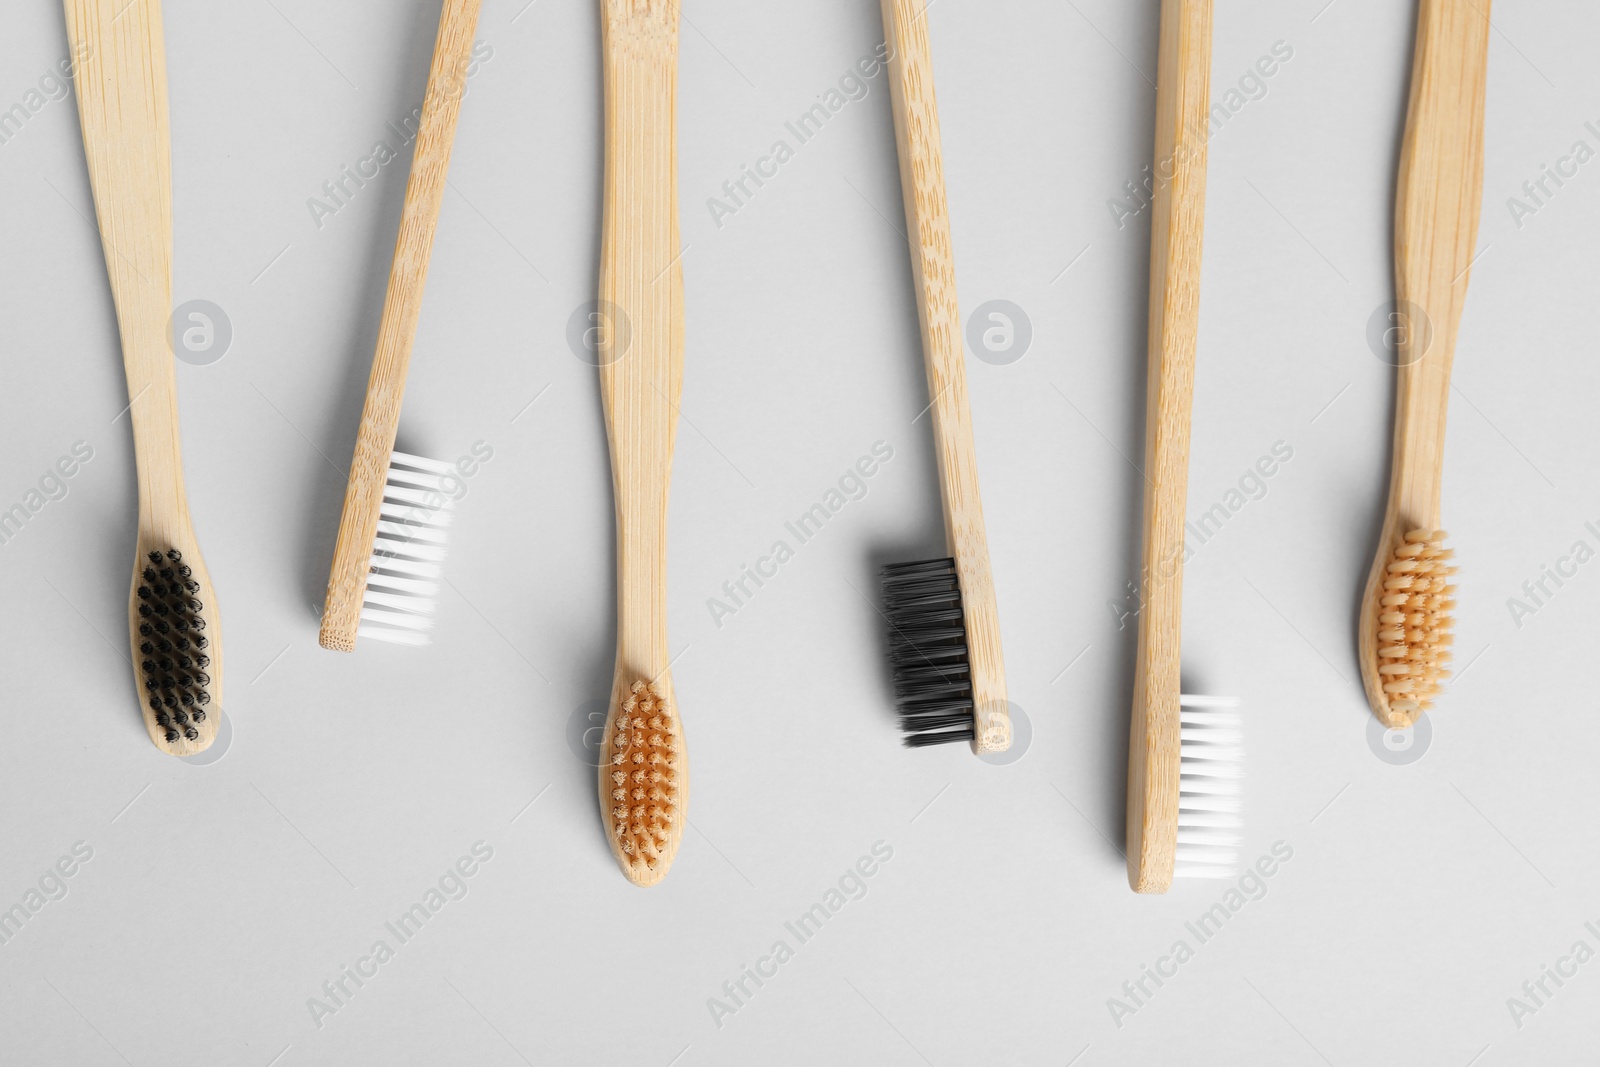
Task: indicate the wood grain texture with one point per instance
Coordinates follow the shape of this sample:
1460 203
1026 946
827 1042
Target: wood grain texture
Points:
402 306
1437 200
1177 224
641 355
916 127
121 85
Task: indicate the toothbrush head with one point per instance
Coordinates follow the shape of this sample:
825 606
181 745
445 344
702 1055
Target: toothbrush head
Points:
643 781
172 644
929 654
402 580
1415 628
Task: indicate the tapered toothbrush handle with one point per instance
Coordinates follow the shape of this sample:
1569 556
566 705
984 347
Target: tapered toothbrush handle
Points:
641 308
1437 199
1177 223
122 106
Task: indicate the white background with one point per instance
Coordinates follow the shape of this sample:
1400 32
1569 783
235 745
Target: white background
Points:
219 898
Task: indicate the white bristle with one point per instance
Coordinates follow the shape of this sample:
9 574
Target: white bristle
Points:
416 516
1211 757
399 601
404 459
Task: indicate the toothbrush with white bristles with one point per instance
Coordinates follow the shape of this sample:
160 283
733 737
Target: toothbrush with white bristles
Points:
391 531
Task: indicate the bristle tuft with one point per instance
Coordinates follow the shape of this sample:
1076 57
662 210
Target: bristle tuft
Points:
928 652
1416 623
641 747
406 555
1211 755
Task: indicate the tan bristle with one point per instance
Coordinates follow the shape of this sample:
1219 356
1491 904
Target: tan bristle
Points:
642 754
1416 623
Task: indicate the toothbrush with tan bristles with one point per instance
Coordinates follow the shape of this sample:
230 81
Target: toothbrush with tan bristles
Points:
644 768
1184 751
172 610
1406 627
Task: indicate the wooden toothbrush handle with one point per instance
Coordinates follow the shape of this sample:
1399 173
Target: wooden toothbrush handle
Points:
641 314
1439 190
122 106
408 275
916 127
1177 223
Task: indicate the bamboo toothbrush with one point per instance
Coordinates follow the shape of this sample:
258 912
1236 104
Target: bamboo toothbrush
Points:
1407 621
944 625
1182 750
388 581
644 768
172 609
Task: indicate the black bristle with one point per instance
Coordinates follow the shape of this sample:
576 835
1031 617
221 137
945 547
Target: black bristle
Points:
172 736
174 555
155 557
190 732
928 652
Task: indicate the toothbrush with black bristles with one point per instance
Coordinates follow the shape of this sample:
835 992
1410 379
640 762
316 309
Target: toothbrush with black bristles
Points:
174 627
944 626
